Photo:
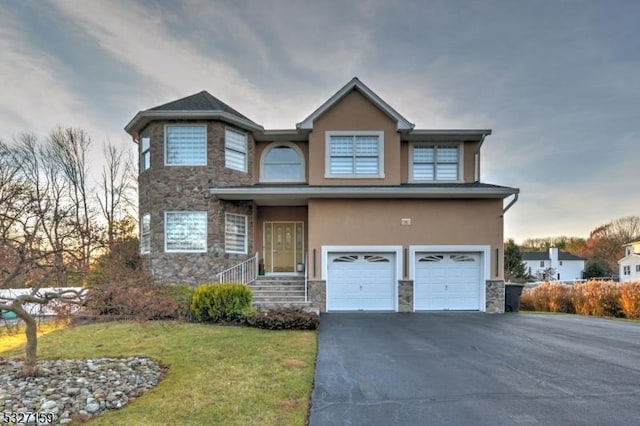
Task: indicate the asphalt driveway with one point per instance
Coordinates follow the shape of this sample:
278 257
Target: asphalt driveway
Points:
476 369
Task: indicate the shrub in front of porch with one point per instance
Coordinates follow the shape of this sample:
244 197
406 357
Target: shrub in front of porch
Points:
283 319
221 302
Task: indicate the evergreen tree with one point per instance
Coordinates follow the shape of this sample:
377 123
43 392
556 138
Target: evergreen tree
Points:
514 267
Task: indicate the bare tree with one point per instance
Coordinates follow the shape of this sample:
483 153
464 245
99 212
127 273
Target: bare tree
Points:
24 255
115 188
69 148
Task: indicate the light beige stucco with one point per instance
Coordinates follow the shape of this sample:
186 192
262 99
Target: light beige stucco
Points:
433 222
354 113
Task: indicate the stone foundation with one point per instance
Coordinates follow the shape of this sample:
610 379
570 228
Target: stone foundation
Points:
317 293
495 297
405 296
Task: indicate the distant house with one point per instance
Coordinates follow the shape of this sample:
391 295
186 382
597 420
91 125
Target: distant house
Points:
566 265
630 264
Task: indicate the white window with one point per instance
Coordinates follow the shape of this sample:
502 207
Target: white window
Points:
626 270
560 263
185 232
186 145
435 163
145 233
354 155
235 233
145 154
542 263
637 268
282 162
235 153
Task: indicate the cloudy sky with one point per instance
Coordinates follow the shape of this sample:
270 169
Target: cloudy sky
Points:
558 81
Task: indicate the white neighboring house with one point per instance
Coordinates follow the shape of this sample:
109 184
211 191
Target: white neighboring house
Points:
630 264
567 266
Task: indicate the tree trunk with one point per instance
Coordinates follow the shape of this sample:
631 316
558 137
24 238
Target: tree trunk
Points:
30 368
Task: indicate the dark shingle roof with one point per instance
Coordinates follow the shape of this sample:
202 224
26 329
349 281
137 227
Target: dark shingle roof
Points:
544 255
202 101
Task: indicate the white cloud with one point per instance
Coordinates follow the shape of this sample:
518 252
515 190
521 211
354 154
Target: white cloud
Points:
173 68
34 86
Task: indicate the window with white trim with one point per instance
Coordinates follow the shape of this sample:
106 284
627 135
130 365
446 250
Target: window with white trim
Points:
185 232
235 233
145 154
235 150
435 163
637 268
355 155
185 145
282 163
626 270
145 233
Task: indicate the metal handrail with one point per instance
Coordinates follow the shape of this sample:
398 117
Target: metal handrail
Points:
243 273
306 276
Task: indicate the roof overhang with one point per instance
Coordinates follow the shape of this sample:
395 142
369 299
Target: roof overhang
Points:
300 195
143 118
403 125
290 135
447 135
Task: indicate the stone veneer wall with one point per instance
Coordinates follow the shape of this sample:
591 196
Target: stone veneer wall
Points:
318 294
186 188
405 296
495 297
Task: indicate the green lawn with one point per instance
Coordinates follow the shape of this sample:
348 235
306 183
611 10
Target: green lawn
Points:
217 375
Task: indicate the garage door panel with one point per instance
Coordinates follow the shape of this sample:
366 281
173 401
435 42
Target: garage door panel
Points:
447 281
361 281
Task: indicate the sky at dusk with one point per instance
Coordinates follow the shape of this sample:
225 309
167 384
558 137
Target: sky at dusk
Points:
558 82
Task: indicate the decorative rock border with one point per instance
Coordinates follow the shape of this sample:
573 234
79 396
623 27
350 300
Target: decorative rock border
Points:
76 389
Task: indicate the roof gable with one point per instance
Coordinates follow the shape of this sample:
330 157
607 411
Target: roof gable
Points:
355 84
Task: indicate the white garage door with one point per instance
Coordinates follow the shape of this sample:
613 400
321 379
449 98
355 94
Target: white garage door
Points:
447 281
361 281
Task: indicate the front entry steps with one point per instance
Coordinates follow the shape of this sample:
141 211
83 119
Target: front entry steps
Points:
279 291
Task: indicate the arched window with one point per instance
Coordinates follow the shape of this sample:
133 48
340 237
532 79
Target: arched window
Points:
282 162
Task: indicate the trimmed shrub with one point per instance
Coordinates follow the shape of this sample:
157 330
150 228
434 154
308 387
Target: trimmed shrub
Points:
221 302
283 319
630 299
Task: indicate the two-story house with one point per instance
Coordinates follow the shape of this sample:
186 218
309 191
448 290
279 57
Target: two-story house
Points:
379 215
630 264
565 266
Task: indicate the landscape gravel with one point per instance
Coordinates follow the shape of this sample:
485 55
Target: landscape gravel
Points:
76 390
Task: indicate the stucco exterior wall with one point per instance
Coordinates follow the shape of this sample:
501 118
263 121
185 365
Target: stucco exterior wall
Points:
354 112
433 222
186 188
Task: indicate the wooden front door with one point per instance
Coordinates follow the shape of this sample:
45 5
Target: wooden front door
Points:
283 246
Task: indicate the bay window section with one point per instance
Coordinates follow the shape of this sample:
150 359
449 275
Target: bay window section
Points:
145 154
235 153
235 237
145 234
185 232
186 145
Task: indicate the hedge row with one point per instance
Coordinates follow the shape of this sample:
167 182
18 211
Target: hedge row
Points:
599 298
